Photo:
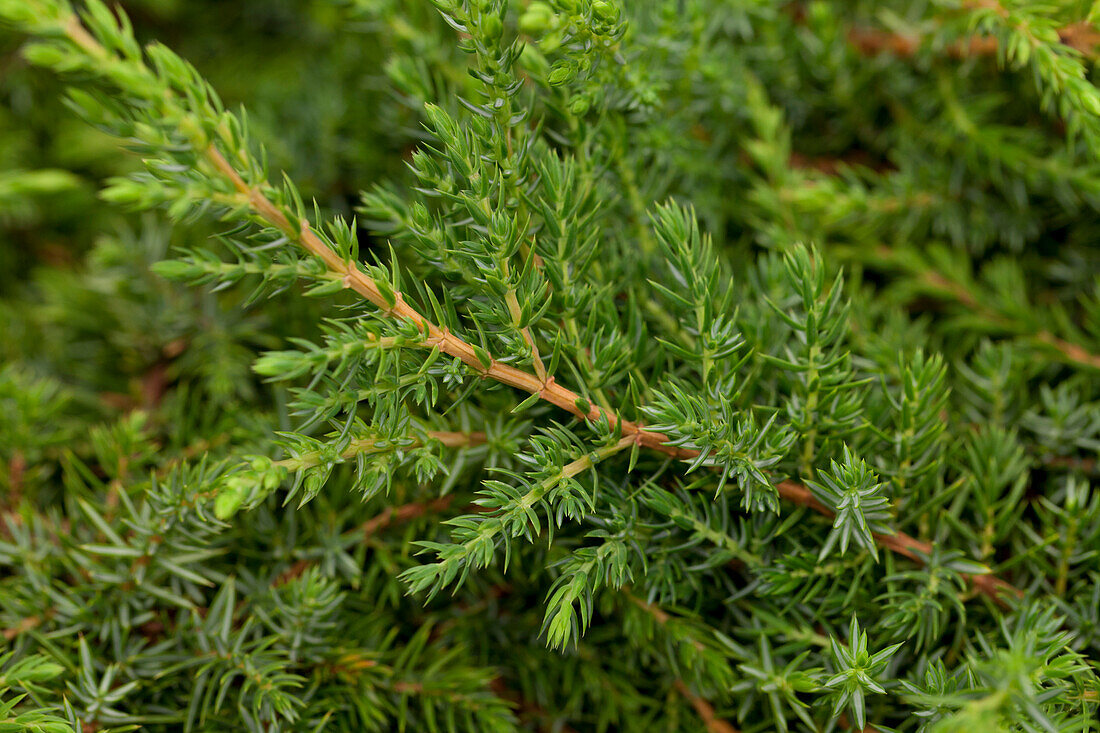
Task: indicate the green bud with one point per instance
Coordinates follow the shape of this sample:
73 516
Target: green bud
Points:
492 27
580 106
227 503
312 486
605 11
551 42
538 18
532 24
237 484
562 73
274 477
533 59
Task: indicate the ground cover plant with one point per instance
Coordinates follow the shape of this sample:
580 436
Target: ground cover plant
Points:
579 365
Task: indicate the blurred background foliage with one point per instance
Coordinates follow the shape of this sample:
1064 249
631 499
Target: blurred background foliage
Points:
77 299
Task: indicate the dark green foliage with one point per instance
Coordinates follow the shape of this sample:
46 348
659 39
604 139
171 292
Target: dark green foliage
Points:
675 365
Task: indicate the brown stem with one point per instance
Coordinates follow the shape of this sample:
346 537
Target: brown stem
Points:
389 515
1082 37
713 723
705 710
403 513
17 469
1072 352
873 42
25 625
436 337
901 544
942 285
1073 463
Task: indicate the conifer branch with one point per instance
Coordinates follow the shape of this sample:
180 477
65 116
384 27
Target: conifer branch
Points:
393 304
360 446
570 401
561 396
571 392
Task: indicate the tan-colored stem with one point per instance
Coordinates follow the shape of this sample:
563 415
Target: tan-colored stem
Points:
369 528
900 543
705 710
403 513
872 42
1081 36
24 625
1071 352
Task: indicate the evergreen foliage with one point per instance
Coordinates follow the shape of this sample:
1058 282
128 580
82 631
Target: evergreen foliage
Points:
679 365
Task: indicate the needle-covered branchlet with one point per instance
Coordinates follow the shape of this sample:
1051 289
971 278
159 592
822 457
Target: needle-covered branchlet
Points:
663 380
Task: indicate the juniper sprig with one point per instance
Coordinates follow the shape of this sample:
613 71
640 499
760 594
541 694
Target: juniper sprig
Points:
679 366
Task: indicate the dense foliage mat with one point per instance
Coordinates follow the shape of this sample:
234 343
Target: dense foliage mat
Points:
670 365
